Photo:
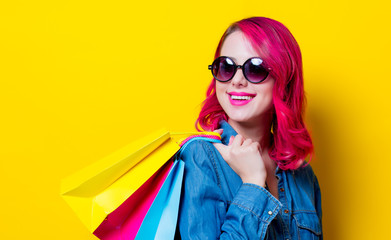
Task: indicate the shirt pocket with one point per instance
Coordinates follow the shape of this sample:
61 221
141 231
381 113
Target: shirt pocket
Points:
308 226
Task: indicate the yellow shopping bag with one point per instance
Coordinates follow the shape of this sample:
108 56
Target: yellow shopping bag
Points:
99 189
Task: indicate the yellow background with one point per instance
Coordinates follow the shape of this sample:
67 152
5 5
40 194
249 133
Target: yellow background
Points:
80 79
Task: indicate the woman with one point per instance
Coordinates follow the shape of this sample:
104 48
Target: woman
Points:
256 184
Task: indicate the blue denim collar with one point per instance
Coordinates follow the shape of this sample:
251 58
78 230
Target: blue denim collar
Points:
228 132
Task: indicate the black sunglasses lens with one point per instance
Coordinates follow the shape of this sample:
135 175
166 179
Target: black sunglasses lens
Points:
223 68
254 70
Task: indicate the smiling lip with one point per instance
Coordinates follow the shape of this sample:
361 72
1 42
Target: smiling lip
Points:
240 98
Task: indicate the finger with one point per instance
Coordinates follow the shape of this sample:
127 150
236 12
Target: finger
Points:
258 146
221 148
247 142
219 131
238 140
231 139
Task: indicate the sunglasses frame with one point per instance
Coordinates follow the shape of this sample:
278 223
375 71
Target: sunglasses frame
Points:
267 69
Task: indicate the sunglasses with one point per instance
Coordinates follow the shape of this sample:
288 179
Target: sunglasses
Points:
224 68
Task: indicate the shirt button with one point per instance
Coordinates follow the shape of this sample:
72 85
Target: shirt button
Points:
270 212
286 211
282 189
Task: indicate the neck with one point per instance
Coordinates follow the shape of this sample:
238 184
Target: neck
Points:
259 131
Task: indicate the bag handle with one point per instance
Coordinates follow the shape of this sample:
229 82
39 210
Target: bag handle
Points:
191 135
213 137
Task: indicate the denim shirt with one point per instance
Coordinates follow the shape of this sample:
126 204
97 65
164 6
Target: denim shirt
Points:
216 204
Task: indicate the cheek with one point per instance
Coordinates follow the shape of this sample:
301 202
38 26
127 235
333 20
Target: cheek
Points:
267 93
220 91
268 87
270 94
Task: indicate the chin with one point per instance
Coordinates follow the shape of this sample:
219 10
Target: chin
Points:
248 119
243 119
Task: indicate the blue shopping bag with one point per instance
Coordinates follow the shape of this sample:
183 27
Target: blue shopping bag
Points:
161 218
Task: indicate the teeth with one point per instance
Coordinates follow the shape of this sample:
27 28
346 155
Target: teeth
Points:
240 97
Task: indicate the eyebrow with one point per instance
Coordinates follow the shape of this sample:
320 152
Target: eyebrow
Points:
233 58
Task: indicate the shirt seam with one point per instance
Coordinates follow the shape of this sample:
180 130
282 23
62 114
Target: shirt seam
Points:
213 163
248 209
304 210
260 188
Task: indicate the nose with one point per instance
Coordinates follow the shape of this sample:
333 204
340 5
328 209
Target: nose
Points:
239 79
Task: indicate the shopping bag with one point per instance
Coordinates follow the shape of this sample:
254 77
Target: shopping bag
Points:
160 221
124 222
102 187
112 197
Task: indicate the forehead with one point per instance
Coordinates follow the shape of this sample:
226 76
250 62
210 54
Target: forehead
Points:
238 47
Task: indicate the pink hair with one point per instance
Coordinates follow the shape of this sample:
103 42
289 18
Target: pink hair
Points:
280 51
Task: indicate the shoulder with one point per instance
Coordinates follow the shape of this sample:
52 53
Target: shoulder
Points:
305 169
201 164
196 146
306 173
304 188
198 151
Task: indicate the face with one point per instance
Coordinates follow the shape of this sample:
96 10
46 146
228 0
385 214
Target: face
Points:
257 97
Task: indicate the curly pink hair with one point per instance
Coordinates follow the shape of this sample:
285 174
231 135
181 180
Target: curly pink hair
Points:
278 48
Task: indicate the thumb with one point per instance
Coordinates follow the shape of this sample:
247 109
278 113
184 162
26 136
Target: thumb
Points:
221 148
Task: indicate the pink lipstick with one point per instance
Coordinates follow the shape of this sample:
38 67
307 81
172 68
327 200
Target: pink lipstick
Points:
240 98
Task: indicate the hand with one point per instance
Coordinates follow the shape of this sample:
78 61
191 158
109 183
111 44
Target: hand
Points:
244 157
